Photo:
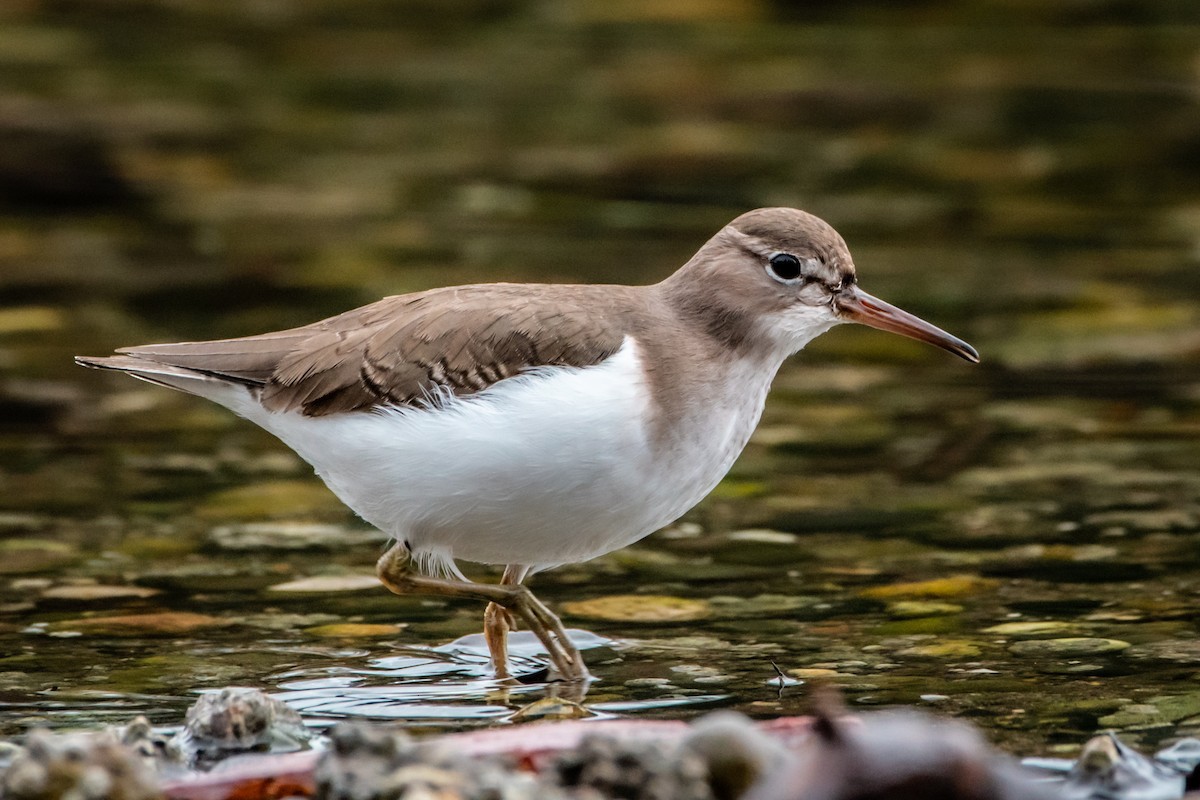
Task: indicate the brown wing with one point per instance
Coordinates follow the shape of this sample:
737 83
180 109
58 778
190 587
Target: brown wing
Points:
402 350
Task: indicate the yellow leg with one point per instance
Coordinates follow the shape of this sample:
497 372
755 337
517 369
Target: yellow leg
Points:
498 621
395 572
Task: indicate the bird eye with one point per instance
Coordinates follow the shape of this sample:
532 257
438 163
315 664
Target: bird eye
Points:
784 267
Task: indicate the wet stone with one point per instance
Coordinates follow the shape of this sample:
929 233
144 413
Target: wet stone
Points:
1134 715
78 765
354 630
22 556
94 593
763 605
648 683
1014 521
912 609
1071 647
157 750
166 623
328 583
276 621
235 720
953 586
292 536
1033 630
272 499
816 673
947 649
1179 651
699 674
639 608
764 536
550 708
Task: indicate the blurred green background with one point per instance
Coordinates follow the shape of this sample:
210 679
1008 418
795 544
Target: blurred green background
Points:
1024 174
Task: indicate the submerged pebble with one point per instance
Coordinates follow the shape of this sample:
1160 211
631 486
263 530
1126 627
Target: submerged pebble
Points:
953 586
914 609
355 630
1030 630
165 623
953 649
639 608
1071 647
292 536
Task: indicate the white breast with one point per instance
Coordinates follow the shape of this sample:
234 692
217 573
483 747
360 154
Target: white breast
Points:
555 466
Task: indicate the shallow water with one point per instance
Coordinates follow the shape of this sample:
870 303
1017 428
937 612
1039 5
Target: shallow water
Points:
174 172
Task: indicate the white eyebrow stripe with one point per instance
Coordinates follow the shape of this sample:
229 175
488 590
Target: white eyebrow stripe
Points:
814 267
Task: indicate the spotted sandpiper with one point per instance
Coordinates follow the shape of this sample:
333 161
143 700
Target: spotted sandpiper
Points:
535 425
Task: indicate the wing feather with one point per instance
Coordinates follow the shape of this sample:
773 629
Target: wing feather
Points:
402 350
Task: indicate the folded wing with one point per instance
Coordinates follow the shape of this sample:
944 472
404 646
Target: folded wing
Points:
399 351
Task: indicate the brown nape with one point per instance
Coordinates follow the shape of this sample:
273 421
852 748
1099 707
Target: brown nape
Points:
404 350
723 292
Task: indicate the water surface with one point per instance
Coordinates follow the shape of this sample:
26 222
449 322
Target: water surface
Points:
1024 176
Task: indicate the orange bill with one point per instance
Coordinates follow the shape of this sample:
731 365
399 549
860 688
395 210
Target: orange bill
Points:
856 305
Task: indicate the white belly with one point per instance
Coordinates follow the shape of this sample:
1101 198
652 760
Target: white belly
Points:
551 467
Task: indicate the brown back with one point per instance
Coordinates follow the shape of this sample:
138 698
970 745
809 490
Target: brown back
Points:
407 349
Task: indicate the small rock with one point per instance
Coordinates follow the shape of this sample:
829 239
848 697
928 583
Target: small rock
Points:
1073 647
91 593
354 630
292 536
810 673
282 498
639 608
158 751
78 765
951 648
548 708
1030 630
954 586
22 556
328 583
236 720
915 609
760 606
764 536
166 623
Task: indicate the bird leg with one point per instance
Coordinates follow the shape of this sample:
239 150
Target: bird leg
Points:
395 571
498 621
